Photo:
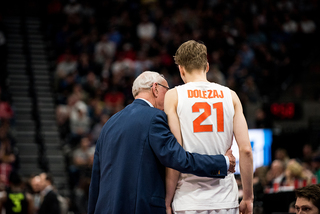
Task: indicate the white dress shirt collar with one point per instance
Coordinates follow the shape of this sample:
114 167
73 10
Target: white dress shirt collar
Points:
146 102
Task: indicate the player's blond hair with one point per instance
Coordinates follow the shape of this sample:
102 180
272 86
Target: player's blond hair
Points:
191 55
145 80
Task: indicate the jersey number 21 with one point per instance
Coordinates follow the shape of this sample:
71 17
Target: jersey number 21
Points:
197 127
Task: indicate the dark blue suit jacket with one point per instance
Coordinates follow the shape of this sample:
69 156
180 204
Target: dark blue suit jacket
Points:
133 149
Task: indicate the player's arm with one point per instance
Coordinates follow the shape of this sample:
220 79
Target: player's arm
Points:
240 130
172 176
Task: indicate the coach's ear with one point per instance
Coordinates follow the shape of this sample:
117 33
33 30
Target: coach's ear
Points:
154 89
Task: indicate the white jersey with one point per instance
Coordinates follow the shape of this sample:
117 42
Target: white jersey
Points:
206 113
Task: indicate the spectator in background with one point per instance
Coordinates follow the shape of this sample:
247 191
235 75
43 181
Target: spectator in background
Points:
79 121
250 90
62 38
85 45
262 120
308 200
72 8
91 84
35 184
246 55
77 90
104 49
276 173
81 195
8 153
289 26
307 25
63 116
259 183
282 154
142 63
146 30
292 207
316 167
215 75
98 126
96 109
307 155
50 203
67 65
293 172
114 100
15 199
6 111
87 10
84 65
83 156
122 67
82 160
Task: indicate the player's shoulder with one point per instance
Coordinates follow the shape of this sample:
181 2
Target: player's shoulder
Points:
171 94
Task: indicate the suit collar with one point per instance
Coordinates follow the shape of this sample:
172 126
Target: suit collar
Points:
141 102
46 190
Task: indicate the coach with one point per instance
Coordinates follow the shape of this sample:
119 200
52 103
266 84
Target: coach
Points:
133 149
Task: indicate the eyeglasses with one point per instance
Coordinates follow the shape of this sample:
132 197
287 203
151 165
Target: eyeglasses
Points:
164 86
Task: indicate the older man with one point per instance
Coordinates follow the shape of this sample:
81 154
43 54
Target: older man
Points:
133 149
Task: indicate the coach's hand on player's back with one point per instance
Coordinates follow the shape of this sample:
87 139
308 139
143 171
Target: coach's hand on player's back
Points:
232 161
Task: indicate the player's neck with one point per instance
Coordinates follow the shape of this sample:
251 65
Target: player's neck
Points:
196 76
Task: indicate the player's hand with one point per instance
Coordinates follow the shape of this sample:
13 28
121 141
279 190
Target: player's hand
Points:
246 207
169 210
232 161
168 207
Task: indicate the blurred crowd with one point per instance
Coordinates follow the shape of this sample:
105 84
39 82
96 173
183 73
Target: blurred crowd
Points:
285 174
254 47
9 158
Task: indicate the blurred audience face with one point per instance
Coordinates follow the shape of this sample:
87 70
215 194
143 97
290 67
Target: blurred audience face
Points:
43 181
85 143
307 150
36 184
281 154
277 168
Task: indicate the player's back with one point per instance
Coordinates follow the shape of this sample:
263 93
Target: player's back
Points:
206 113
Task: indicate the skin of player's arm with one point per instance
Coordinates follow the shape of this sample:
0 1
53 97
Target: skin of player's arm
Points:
240 130
172 176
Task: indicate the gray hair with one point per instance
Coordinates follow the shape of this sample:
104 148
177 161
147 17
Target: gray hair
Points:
145 80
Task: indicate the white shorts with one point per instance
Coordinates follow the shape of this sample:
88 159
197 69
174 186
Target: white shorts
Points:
222 211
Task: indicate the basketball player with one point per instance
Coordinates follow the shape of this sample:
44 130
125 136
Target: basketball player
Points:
204 116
